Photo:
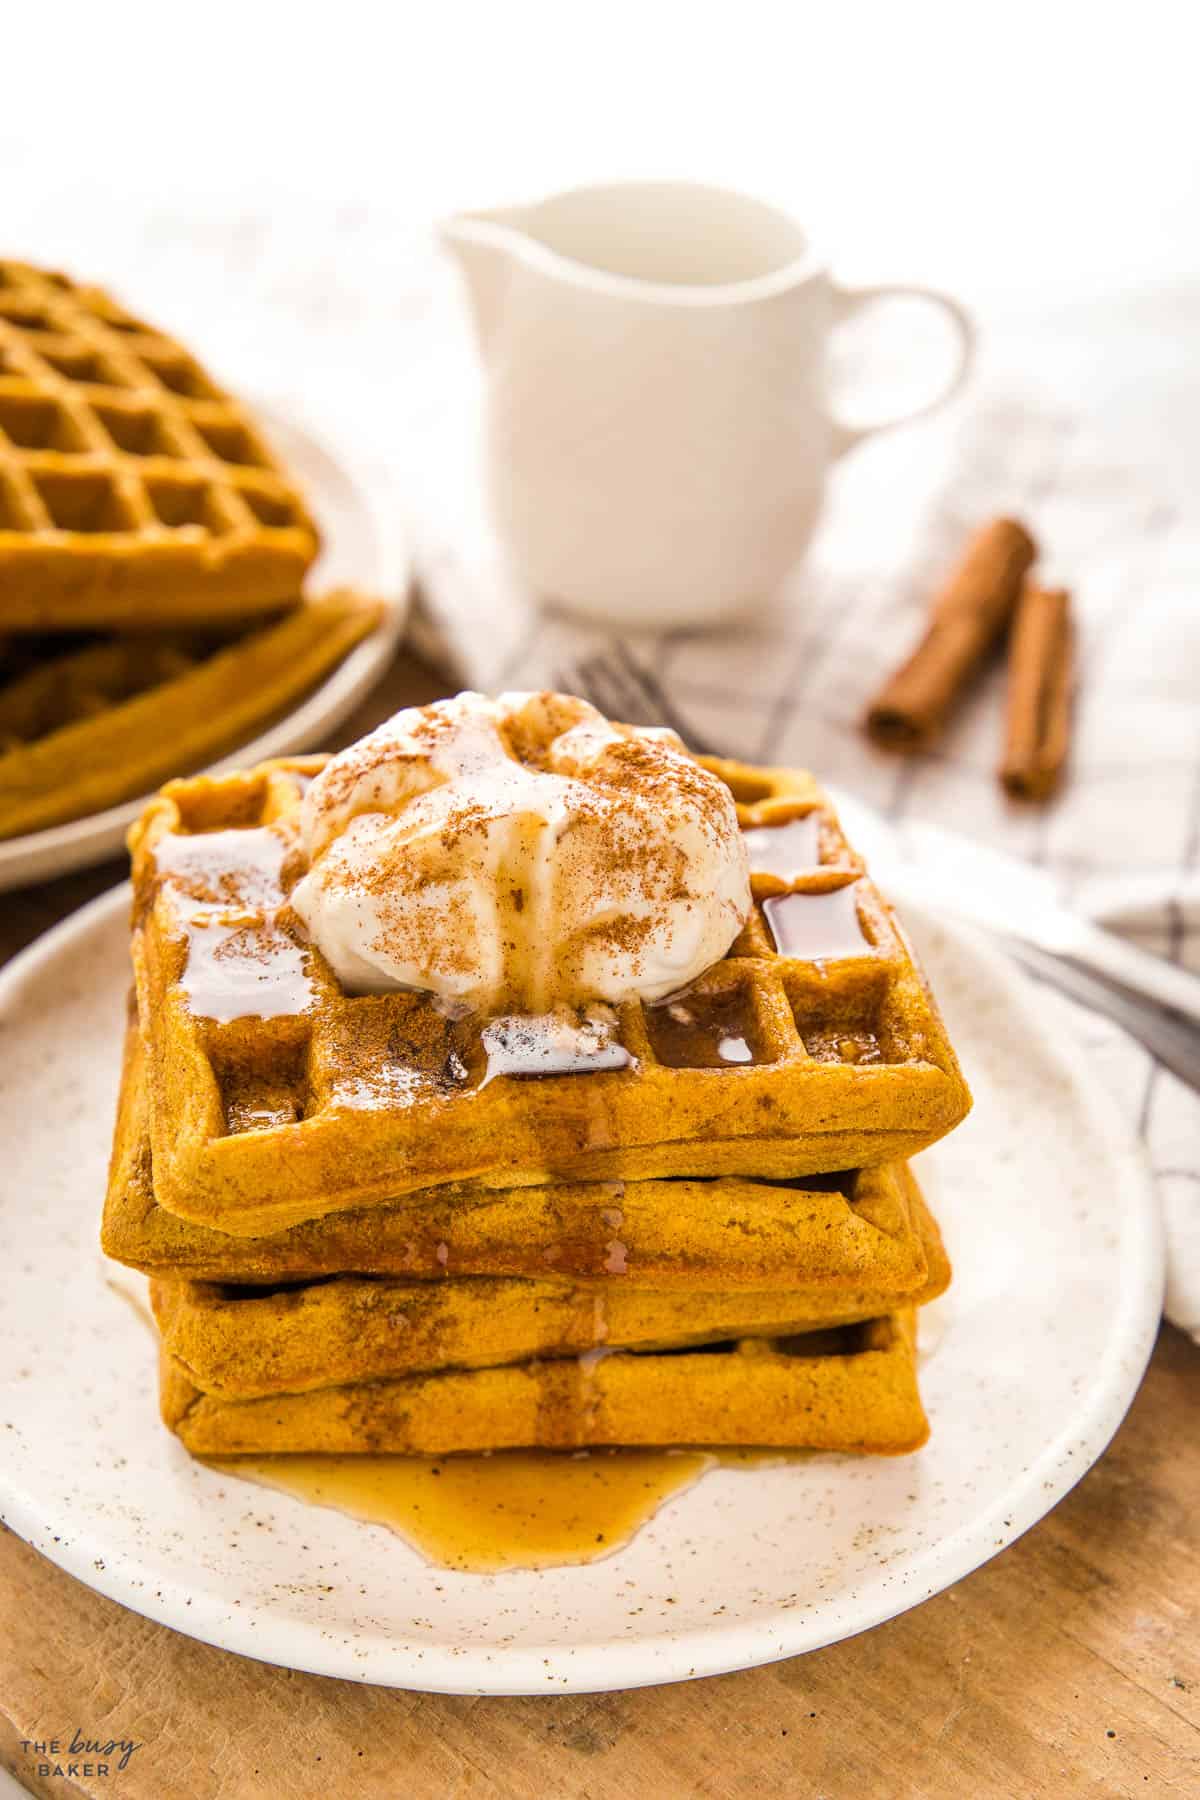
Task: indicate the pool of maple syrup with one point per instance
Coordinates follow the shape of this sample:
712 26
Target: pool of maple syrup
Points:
817 927
704 1030
788 851
514 1509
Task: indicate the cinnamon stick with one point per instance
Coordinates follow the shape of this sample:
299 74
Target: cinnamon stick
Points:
1040 661
966 619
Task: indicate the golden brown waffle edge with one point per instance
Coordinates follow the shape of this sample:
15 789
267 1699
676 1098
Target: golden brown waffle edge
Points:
852 1390
862 1241
241 1344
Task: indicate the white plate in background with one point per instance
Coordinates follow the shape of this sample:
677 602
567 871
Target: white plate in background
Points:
1029 1364
359 549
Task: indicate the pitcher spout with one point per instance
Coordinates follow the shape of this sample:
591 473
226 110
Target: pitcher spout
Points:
484 245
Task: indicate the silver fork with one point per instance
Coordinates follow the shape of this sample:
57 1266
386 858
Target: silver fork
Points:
613 681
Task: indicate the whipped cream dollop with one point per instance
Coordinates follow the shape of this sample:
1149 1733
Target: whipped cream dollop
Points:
518 854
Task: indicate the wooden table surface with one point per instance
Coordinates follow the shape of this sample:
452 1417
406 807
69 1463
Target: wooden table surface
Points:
1068 1665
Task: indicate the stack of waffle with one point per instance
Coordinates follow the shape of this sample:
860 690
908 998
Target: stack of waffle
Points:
367 1230
152 552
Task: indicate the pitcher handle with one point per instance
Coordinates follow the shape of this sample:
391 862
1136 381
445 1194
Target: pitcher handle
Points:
848 301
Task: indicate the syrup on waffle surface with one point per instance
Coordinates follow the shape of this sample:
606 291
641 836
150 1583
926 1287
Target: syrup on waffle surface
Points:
852 1389
96 725
857 1242
242 1343
275 1096
134 491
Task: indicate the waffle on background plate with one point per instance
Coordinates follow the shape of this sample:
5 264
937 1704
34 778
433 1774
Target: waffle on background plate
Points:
134 491
84 728
152 555
366 1234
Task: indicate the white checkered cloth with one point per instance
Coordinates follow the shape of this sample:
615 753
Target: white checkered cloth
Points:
1084 419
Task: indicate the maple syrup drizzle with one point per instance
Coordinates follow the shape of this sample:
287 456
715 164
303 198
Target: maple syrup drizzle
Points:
551 1044
225 868
817 927
787 851
244 971
133 1291
226 888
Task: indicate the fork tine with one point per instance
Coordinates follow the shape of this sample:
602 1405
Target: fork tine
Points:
660 705
595 679
621 688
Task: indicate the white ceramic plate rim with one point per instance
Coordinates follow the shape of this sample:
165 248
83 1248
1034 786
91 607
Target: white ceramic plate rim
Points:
719 1648
386 570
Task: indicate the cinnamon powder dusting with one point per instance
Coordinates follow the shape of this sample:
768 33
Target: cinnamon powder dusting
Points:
521 854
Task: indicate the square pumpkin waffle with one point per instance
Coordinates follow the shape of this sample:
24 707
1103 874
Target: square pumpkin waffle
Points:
88 727
134 491
861 1241
276 1097
849 1389
241 1343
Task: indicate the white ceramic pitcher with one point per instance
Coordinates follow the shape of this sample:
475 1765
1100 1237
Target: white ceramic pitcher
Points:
657 426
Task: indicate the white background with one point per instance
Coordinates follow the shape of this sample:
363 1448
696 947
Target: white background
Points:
1010 148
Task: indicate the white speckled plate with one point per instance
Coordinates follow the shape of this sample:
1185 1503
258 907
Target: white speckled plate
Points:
360 549
1030 1363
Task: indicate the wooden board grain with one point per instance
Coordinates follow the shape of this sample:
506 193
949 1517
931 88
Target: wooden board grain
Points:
1068 1666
